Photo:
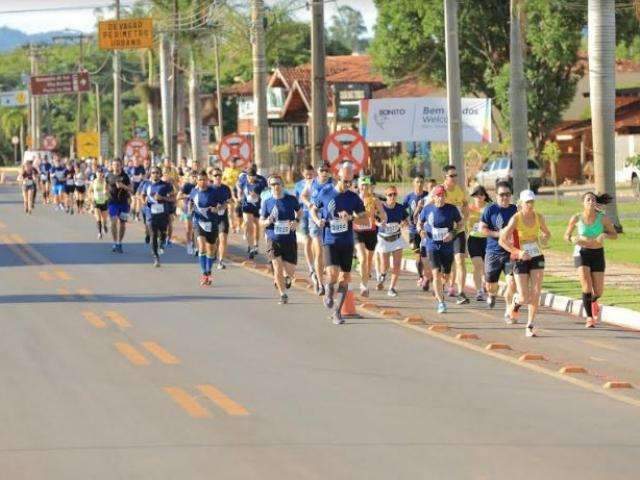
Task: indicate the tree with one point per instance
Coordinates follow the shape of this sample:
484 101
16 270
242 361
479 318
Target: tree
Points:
409 38
347 27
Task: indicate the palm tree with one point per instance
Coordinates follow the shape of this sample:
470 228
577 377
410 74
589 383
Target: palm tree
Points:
602 45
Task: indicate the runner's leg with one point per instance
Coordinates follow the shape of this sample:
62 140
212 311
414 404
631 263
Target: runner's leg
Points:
396 261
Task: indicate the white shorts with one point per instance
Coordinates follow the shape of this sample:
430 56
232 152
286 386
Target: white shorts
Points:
384 246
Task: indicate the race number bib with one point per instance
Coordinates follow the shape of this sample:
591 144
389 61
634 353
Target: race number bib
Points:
532 249
391 228
221 210
157 208
206 226
59 175
79 183
43 177
252 197
363 227
28 182
576 250
438 234
338 226
476 227
70 182
137 178
282 227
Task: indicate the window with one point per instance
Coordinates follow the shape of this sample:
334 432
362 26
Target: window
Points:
279 135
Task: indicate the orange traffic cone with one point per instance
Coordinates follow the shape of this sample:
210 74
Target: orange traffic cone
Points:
349 306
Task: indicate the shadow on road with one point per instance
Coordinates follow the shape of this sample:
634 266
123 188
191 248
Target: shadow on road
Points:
73 298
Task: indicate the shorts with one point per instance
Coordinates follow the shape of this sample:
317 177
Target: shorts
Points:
369 238
415 240
440 260
287 251
251 210
238 211
339 255
81 190
100 206
496 263
385 246
590 257
159 222
120 210
69 189
223 224
303 228
524 267
314 230
477 246
460 243
210 237
58 189
29 187
171 208
135 187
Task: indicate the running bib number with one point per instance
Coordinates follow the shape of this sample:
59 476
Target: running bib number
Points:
157 208
476 227
79 183
363 227
43 177
252 198
137 178
391 228
28 182
532 249
282 227
338 226
70 182
438 234
59 175
206 226
221 210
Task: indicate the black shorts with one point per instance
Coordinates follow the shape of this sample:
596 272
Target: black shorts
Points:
523 267
238 211
440 260
29 187
210 237
592 258
460 243
100 206
339 256
415 240
477 246
223 224
251 211
287 251
81 190
369 238
159 222
171 208
496 263
69 189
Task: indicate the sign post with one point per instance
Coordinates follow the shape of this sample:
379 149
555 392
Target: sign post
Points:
15 98
346 146
55 84
136 148
235 146
127 34
87 144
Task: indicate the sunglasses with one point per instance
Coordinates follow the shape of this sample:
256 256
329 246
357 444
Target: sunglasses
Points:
392 194
505 194
453 175
217 174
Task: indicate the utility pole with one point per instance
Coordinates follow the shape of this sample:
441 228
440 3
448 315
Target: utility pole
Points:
165 95
34 109
177 104
216 51
195 119
117 105
79 98
518 99
98 124
454 102
602 81
319 89
260 121
151 106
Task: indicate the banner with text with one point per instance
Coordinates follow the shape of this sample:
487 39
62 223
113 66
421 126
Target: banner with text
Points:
422 119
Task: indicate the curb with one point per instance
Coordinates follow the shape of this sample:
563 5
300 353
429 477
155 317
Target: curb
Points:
620 317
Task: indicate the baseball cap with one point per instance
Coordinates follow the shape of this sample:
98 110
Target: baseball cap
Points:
527 196
438 191
365 181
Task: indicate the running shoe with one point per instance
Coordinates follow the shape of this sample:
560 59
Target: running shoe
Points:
590 323
252 254
392 292
100 236
287 282
321 291
221 265
120 250
462 299
529 332
480 296
442 307
203 280
508 319
381 278
284 299
451 291
114 248
364 291
156 262
491 301
147 239
337 318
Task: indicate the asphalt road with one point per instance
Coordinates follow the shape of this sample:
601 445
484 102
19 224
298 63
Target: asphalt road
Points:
111 369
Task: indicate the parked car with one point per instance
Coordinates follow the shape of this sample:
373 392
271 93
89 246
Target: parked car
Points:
500 169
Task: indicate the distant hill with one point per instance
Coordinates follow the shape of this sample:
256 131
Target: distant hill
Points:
11 38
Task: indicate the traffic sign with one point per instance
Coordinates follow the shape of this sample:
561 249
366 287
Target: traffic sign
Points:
15 98
49 142
15 140
126 34
346 146
235 146
64 83
88 144
136 148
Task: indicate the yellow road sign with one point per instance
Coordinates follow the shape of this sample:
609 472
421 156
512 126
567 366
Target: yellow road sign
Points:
130 33
87 144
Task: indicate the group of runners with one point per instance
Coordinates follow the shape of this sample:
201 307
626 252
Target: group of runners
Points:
337 219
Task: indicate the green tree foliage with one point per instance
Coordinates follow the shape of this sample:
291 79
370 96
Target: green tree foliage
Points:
347 28
409 38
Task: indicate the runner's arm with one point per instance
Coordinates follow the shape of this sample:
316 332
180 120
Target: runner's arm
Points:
610 231
506 234
570 228
546 233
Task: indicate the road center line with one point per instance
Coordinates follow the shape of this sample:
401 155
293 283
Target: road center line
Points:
45 276
187 402
118 319
30 250
224 402
160 353
62 275
94 319
131 354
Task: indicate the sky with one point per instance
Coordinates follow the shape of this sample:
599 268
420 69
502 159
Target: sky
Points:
80 15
